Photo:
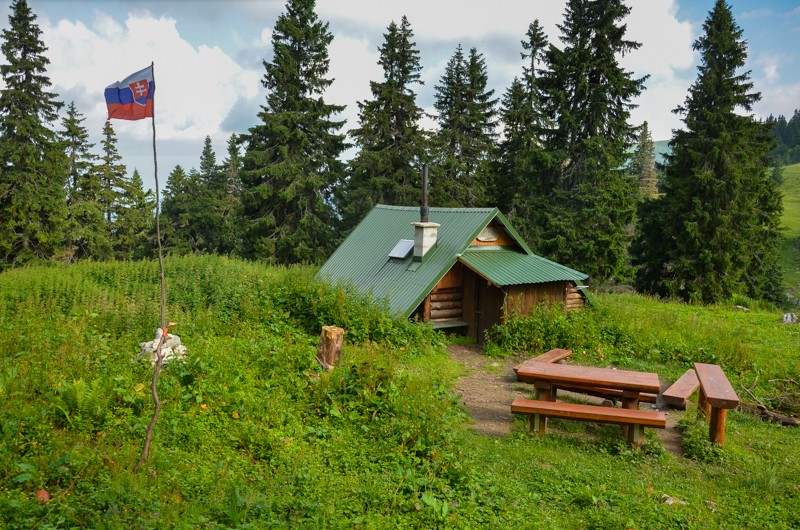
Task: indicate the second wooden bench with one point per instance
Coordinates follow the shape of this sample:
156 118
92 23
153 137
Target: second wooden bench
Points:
637 419
716 397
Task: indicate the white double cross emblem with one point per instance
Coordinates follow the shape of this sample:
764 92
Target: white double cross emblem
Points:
140 89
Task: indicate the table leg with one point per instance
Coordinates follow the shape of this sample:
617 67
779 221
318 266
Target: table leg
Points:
544 392
630 400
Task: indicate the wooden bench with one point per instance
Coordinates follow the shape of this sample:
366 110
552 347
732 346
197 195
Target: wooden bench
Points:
556 355
634 418
677 395
607 393
716 397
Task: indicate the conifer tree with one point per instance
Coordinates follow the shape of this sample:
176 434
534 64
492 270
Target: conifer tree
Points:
521 164
391 144
112 175
589 95
714 232
466 133
231 207
210 200
643 164
135 221
86 228
292 156
32 196
177 213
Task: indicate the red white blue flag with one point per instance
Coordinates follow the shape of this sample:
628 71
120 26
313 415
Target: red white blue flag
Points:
132 98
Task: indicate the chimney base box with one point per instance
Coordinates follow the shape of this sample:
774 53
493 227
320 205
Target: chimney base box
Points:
425 235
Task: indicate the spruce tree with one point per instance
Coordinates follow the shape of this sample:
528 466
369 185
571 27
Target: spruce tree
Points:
231 207
292 156
112 175
714 232
177 213
135 221
466 133
210 200
86 229
391 144
521 165
643 164
588 94
32 195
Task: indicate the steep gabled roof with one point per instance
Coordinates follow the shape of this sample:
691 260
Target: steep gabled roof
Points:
363 258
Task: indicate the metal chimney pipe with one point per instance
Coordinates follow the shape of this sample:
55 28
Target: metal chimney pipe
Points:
423 211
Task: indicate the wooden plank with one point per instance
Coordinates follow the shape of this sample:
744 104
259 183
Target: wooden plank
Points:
448 323
446 304
579 412
679 392
716 388
609 393
437 314
553 356
589 376
441 297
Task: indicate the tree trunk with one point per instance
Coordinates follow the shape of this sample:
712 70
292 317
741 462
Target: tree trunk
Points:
330 346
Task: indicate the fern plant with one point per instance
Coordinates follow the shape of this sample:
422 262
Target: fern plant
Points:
83 404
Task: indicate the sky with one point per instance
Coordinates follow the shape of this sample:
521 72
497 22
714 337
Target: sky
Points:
208 57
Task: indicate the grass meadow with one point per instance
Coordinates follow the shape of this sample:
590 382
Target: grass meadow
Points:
254 435
790 247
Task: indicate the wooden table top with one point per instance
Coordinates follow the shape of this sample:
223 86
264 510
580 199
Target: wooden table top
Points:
589 376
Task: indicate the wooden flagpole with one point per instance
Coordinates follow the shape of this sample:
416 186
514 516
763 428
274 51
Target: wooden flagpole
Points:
164 329
158 208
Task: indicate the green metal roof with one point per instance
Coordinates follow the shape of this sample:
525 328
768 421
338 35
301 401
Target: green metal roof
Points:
509 267
363 258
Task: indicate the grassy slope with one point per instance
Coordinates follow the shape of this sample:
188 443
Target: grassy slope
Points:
253 436
790 248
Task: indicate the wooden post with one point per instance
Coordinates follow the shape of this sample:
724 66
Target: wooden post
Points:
544 392
717 425
330 346
630 400
703 406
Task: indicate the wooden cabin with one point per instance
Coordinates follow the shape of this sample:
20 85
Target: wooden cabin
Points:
466 269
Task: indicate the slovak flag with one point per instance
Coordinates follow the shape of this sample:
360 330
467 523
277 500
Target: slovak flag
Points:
132 98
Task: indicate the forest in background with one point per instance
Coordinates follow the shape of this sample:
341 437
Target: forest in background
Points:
556 152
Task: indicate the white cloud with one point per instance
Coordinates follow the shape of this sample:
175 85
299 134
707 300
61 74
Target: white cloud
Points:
779 100
769 68
195 87
353 64
443 19
756 13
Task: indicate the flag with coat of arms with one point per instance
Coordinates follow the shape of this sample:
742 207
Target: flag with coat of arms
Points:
132 98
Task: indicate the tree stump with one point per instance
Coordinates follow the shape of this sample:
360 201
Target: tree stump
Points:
330 346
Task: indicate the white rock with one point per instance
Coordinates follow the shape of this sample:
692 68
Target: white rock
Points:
171 349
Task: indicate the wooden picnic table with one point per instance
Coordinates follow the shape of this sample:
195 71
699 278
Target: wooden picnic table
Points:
546 375
627 385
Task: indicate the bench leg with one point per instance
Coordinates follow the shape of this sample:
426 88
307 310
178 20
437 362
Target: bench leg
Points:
544 392
630 400
703 407
538 424
635 435
716 429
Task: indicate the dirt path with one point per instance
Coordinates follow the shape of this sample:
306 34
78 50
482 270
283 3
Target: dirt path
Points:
490 386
